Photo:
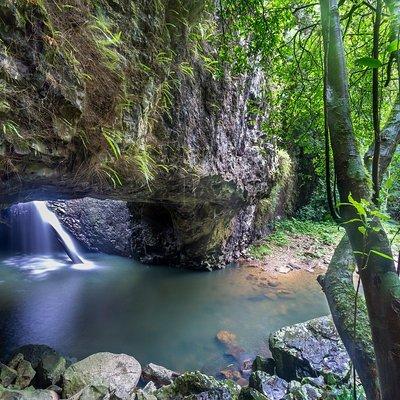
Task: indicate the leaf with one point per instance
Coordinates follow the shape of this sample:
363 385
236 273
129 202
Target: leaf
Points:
393 46
378 253
362 229
368 62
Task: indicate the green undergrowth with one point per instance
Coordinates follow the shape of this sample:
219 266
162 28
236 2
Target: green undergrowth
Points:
324 232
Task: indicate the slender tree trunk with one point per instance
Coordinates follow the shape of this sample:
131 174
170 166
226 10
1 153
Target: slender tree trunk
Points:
380 281
339 290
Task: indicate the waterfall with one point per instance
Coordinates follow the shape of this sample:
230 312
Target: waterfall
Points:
50 218
34 229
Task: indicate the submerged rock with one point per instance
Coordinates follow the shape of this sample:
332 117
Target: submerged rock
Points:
311 348
119 373
271 386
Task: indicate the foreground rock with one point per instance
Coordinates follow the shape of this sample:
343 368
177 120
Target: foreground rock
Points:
119 373
273 387
158 374
27 394
310 349
48 365
195 385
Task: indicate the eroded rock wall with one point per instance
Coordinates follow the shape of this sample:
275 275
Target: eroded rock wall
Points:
122 100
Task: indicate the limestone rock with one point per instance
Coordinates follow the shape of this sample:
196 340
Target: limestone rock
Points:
92 392
120 373
195 385
158 374
27 394
264 364
51 369
271 386
311 349
48 364
7 375
25 374
249 393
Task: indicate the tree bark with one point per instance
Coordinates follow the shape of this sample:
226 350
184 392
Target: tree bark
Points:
390 139
341 296
380 282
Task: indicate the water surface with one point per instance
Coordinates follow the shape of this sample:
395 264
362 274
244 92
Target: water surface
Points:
157 314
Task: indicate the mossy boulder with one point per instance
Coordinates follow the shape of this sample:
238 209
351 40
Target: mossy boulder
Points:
310 349
193 384
119 373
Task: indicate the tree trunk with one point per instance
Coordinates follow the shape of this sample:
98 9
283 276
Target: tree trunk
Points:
380 282
339 291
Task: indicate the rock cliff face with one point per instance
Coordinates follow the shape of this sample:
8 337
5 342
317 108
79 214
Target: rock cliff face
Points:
122 100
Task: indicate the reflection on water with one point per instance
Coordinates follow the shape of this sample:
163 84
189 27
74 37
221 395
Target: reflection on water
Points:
158 314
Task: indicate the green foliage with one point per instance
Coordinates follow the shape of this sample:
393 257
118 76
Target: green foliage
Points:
107 41
326 233
283 37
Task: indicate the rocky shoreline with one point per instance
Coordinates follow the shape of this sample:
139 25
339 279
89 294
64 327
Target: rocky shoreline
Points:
308 362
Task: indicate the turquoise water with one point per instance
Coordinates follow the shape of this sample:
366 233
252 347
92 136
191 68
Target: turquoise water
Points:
157 314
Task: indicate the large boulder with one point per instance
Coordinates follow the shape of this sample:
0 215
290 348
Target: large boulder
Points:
119 373
311 348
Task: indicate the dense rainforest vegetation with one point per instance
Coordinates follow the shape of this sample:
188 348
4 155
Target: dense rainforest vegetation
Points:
334 84
211 120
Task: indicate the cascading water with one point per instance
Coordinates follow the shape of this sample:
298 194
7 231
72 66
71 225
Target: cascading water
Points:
50 218
34 228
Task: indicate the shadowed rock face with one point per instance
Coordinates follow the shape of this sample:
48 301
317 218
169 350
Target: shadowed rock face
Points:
113 100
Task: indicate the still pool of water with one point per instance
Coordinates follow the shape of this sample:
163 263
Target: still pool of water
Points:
157 314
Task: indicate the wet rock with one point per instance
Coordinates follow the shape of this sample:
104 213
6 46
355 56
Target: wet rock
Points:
32 353
264 364
25 374
158 374
48 364
27 394
228 339
100 225
305 392
283 269
311 349
249 393
51 369
242 382
7 375
271 386
195 385
92 392
147 393
318 382
55 388
231 374
120 373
